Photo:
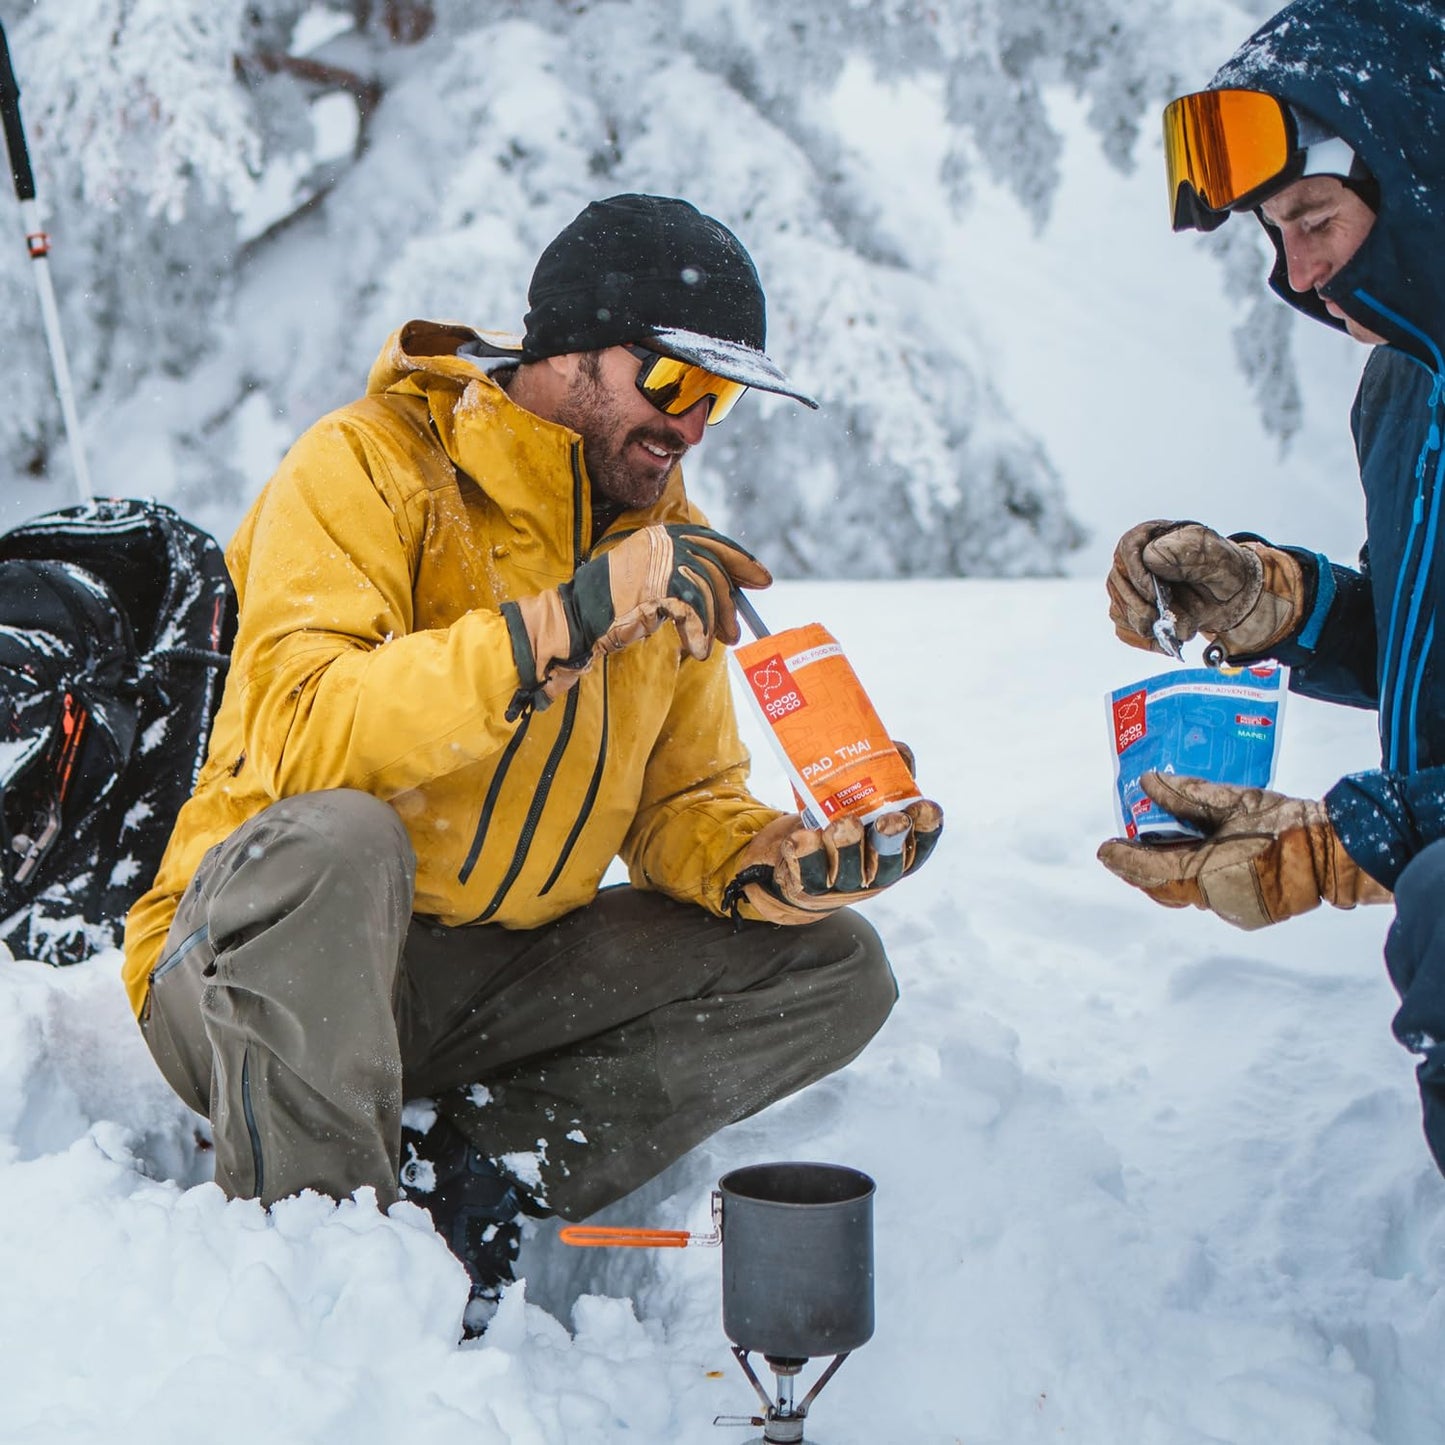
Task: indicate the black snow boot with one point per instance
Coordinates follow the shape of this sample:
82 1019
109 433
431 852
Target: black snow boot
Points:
473 1206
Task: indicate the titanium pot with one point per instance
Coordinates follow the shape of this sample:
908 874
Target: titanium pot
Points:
797 1259
797 1256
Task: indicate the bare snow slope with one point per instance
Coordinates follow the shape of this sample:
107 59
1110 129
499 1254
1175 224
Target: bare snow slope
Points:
1140 1177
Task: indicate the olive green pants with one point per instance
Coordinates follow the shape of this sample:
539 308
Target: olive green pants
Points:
298 1002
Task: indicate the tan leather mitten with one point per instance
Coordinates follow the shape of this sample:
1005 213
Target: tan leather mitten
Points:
792 874
1266 858
1246 596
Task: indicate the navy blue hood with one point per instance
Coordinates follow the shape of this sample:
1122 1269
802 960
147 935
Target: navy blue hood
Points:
1374 72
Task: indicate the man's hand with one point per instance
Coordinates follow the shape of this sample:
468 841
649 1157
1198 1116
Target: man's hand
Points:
790 874
685 572
1266 857
1245 596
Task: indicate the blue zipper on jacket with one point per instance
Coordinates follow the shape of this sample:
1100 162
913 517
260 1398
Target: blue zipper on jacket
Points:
1416 571
1413 580
1415 700
1424 574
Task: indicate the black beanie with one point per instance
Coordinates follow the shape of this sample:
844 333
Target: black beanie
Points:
654 270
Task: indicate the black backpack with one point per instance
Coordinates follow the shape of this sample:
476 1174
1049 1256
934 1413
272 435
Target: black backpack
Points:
116 621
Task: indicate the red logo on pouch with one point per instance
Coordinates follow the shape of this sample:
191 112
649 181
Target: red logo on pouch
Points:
1130 721
774 688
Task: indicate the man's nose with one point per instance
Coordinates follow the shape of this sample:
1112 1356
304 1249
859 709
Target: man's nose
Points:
691 423
1306 267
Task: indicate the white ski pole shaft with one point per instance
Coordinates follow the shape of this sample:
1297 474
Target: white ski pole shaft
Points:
37 243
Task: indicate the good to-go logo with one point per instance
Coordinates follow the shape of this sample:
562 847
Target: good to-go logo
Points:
774 688
1130 720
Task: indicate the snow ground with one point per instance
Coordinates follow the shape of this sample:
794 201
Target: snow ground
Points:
1140 1177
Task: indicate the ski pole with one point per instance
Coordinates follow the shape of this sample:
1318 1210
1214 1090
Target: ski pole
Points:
37 242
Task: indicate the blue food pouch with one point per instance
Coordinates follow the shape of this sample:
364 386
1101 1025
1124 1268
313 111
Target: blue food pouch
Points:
1222 724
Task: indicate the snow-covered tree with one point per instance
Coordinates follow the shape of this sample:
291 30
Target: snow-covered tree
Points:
251 193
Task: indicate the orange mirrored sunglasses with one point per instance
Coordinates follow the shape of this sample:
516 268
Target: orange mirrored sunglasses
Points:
1224 149
675 387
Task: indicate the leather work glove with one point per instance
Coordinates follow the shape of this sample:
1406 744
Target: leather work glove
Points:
792 874
1267 857
1246 596
685 572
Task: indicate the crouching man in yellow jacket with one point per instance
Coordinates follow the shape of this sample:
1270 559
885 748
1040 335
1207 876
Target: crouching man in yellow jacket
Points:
454 699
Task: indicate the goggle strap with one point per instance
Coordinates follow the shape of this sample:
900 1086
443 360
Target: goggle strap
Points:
1332 157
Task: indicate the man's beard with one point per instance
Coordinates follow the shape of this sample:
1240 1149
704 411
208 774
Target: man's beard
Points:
590 412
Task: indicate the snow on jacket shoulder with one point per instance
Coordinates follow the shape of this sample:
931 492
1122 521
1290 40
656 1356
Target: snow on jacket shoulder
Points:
371 654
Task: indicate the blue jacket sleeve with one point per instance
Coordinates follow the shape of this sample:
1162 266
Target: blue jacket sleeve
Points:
1333 654
1384 819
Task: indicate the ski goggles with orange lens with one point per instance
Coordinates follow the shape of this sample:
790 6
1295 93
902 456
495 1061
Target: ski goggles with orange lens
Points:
675 387
1223 150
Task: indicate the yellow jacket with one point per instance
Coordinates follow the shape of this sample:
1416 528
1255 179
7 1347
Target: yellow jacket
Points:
371 655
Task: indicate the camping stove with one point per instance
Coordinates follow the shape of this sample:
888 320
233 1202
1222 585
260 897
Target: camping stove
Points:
782 1420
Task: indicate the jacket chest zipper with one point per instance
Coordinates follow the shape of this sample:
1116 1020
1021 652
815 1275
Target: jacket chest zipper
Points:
534 809
490 802
589 798
554 758
1408 658
1412 622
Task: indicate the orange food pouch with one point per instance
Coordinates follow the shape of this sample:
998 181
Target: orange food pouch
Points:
837 752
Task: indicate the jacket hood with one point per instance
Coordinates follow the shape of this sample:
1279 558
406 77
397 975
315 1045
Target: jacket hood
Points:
421 351
1370 70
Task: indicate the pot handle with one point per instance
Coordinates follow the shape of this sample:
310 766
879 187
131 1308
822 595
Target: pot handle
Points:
598 1236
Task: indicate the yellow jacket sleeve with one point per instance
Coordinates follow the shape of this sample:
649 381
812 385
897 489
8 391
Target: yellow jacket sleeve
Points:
696 814
338 689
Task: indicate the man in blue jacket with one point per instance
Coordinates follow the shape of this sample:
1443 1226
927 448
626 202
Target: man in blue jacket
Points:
1329 125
